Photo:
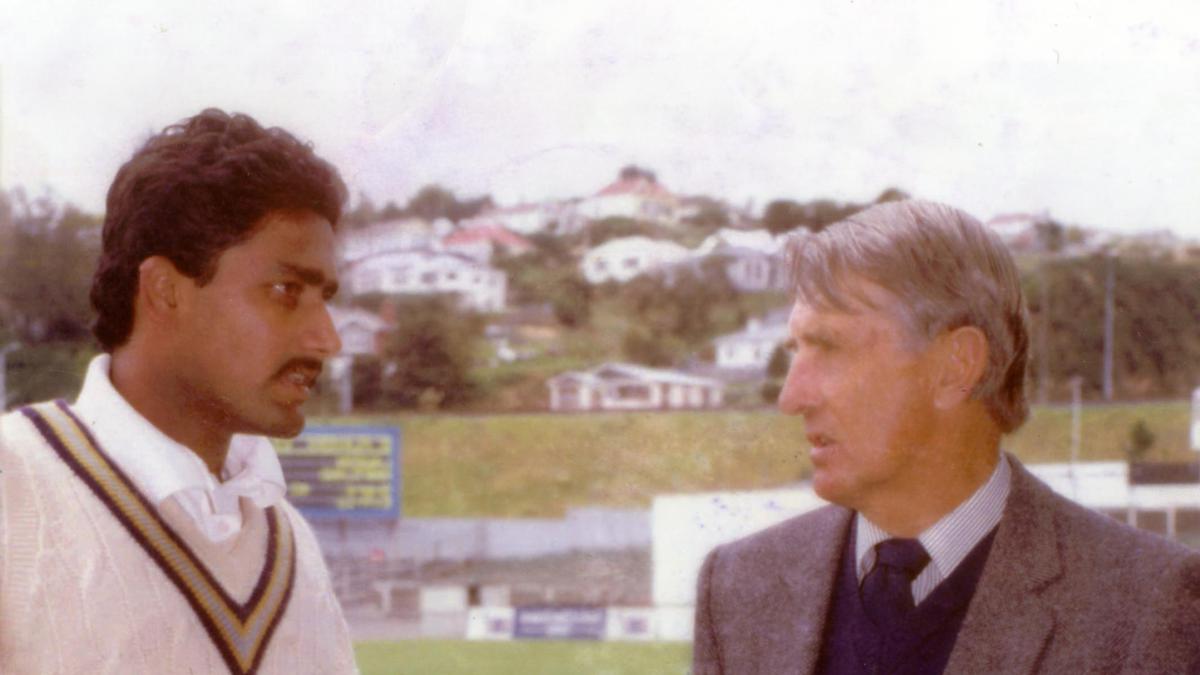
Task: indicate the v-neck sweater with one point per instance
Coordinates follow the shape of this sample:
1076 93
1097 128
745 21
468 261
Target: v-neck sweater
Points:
80 593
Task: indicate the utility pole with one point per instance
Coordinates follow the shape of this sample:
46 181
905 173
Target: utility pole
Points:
1076 429
1109 311
1043 348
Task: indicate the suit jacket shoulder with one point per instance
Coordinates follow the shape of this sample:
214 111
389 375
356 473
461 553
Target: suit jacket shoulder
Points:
762 600
1067 589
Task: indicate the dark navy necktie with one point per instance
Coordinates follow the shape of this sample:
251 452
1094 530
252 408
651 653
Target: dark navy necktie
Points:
887 589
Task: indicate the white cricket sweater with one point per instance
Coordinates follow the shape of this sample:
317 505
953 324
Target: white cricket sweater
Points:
95 579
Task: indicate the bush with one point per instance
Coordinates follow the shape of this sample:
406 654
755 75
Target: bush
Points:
1141 439
46 371
770 391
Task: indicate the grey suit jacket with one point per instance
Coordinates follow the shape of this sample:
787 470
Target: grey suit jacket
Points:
1064 590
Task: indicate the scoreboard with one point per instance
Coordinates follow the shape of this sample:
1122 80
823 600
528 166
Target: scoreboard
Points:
343 471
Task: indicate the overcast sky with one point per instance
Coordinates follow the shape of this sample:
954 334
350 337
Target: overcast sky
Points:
1088 109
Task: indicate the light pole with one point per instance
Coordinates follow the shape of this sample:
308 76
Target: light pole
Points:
1109 312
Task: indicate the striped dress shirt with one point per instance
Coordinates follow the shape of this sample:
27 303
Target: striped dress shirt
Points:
949 540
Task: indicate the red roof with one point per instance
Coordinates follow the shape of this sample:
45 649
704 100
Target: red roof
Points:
635 186
493 233
512 210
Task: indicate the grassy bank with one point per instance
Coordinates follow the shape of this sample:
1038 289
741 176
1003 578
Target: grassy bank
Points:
540 465
451 657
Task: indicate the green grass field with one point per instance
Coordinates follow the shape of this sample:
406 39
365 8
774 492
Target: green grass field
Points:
452 657
542 464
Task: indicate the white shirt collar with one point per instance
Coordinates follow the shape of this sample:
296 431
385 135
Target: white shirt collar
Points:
162 469
949 540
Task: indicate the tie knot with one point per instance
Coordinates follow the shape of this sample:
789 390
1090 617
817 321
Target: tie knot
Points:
902 554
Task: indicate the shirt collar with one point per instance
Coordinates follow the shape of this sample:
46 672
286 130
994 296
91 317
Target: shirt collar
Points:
162 468
950 539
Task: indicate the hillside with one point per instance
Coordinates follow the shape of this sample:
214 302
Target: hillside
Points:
542 464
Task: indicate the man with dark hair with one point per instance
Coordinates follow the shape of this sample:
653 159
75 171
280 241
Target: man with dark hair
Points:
940 552
144 528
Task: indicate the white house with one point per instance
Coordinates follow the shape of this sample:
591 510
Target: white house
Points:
624 386
753 258
638 197
423 272
751 348
523 218
359 331
624 258
481 242
400 234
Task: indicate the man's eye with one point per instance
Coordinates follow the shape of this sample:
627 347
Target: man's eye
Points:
287 289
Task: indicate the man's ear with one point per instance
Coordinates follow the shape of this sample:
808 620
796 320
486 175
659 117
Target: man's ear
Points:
159 288
963 358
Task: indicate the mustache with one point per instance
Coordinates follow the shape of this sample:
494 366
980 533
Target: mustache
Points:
301 363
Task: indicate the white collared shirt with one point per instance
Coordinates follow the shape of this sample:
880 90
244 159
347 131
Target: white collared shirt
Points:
949 540
163 469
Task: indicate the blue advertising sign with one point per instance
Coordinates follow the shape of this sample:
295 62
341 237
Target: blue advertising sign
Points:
343 471
560 623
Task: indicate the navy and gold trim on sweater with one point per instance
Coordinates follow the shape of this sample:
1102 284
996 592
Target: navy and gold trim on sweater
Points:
241 632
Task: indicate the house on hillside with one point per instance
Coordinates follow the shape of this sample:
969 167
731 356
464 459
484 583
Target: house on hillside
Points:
750 349
624 258
528 219
624 386
752 259
478 286
523 219
360 332
639 196
1018 230
358 329
482 242
401 234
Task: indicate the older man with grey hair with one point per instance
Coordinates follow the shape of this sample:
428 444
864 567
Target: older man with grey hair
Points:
940 553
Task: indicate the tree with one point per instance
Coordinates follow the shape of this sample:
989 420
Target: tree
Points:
391 211
777 367
427 356
46 263
571 299
635 172
1141 439
711 215
615 227
892 194
360 215
1051 235
783 215
434 201
647 347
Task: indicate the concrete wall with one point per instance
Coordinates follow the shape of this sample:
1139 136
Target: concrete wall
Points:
424 539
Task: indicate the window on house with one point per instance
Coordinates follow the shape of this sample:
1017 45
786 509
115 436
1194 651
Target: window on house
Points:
633 392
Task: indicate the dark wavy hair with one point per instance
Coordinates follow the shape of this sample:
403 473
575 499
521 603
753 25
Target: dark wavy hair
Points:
191 192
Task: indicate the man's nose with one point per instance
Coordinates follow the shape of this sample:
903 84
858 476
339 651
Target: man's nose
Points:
799 392
321 336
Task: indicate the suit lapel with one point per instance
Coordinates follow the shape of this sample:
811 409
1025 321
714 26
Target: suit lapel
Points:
807 580
1009 622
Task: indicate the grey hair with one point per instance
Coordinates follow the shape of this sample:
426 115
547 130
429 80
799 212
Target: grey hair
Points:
945 269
